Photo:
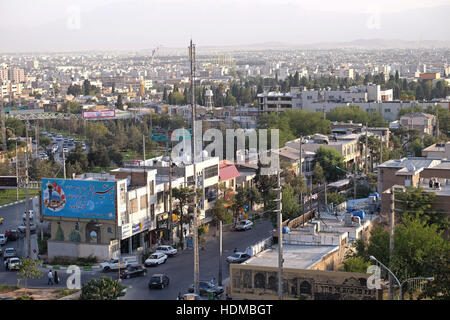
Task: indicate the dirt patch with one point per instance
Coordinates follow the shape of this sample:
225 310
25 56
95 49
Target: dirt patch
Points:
40 294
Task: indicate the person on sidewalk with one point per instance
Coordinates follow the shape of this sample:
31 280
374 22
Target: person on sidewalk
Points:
55 277
50 278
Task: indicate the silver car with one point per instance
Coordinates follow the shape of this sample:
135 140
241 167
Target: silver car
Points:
2 239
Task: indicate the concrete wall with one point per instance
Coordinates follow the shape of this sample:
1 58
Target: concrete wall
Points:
75 250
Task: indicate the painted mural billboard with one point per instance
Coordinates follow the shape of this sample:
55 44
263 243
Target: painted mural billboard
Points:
83 199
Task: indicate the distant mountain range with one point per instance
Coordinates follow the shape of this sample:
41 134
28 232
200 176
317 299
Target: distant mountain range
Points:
355 44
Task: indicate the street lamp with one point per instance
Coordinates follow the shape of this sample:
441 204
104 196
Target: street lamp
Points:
417 279
388 270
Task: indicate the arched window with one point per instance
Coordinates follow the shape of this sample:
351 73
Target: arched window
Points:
260 281
273 283
305 287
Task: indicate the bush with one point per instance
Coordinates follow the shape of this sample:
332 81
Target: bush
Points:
88 261
105 288
25 297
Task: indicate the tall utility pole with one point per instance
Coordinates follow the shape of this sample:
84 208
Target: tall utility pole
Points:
64 163
27 204
381 148
300 174
2 115
143 147
170 226
220 252
365 153
280 237
391 240
196 256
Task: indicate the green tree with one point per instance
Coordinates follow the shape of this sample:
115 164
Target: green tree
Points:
119 103
220 212
418 203
102 289
336 198
318 175
28 269
356 264
290 208
329 159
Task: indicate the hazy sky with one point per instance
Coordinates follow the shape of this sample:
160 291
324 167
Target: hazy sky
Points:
61 25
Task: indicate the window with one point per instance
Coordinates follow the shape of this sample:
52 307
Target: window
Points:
259 281
159 197
152 187
211 171
122 193
133 206
143 202
387 110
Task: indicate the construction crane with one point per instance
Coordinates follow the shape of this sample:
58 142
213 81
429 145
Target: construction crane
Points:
154 51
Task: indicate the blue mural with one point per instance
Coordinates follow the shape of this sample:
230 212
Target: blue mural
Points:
79 199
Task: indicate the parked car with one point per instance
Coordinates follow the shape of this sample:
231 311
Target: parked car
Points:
3 239
24 216
158 280
168 250
155 259
205 286
244 225
238 257
12 263
65 150
9 253
132 271
113 264
191 296
23 228
12 235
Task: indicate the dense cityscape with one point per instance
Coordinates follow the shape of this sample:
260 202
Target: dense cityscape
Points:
262 172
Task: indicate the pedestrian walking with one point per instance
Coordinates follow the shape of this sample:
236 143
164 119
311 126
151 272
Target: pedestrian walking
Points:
55 277
180 297
50 277
213 281
235 250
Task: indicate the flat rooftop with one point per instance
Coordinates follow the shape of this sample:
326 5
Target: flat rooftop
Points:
295 256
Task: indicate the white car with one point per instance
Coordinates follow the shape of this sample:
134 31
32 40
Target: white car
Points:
168 250
113 264
3 239
24 216
23 228
9 253
238 257
65 150
244 225
156 258
12 263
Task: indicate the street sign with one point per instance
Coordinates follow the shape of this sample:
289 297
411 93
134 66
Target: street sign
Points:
165 135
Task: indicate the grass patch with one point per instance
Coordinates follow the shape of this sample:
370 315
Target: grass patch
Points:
100 169
60 293
10 195
133 155
7 288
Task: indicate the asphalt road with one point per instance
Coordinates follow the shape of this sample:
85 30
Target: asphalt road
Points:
179 269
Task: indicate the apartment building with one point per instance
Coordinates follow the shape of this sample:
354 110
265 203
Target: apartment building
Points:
425 123
100 214
437 151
